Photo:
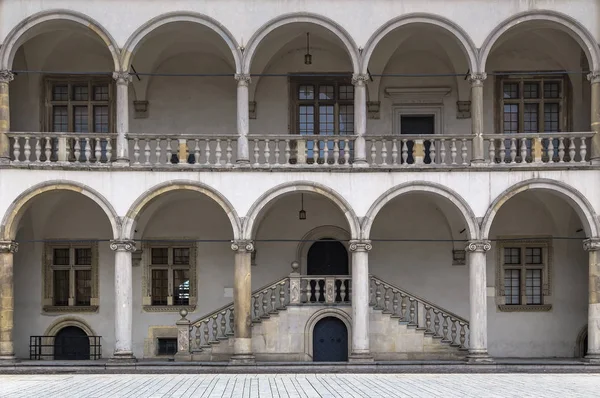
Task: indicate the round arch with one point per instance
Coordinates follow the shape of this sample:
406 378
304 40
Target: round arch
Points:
64 322
299 186
465 41
301 17
563 22
578 202
422 186
153 193
143 31
316 317
10 221
324 231
18 35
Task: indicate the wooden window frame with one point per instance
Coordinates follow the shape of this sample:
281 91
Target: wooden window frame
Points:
545 243
48 269
147 275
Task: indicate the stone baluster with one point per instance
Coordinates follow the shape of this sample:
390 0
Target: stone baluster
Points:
88 150
223 334
38 150
491 151
169 150
346 151
256 151
453 332
7 300
592 246
281 296
384 152
316 151
336 151
288 151
394 151
513 150
360 300
360 118
229 152
242 300
255 307
523 150
48 150
123 300
503 151
265 304
108 151
582 150
215 333
572 150
476 258
386 300
442 157
77 150
146 152
343 291
463 152
403 307
218 152
445 329
412 312
267 152
197 151
432 152
378 295
436 322
97 150
453 150
373 152
207 151
136 151
17 151
427 319
26 150
123 78
561 149
277 152
158 151
550 150
231 317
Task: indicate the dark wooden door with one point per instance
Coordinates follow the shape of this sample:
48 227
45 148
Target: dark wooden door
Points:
71 343
330 341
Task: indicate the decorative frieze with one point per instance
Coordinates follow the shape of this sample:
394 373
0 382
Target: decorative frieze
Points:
242 245
360 245
122 77
122 245
6 76
9 246
478 246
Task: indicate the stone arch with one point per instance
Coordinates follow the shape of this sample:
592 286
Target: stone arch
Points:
455 30
324 231
18 35
422 186
301 17
67 321
10 222
299 186
316 317
576 199
179 16
563 22
153 193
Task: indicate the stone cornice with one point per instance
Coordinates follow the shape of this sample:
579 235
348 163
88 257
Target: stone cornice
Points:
8 246
360 245
242 245
122 245
478 246
6 76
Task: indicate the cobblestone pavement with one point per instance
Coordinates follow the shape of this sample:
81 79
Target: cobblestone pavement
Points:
301 385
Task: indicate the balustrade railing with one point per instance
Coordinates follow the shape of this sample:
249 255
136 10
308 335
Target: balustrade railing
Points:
320 289
419 313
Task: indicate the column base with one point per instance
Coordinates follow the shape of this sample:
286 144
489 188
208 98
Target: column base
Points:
4 160
243 162
360 163
592 359
122 358
363 357
121 163
6 359
595 161
242 359
479 358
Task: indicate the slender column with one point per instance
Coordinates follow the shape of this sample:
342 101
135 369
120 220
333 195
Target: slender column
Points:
594 78
123 79
242 301
593 247
476 251
243 118
6 77
360 301
7 299
476 80
123 299
360 118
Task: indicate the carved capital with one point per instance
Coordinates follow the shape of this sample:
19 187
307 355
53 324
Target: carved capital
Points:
242 246
8 246
243 79
360 245
591 245
478 246
594 76
359 79
6 76
477 79
122 77
122 245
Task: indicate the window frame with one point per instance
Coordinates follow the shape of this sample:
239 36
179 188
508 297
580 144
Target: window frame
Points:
48 268
170 267
543 242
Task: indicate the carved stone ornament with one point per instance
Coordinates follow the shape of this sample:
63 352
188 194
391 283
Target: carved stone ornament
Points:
359 79
478 246
6 76
243 79
242 245
477 78
122 245
594 76
591 244
360 245
8 246
122 77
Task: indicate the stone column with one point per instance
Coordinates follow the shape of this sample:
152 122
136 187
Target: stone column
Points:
593 247
7 300
243 118
6 77
242 302
476 257
123 300
360 301
360 118
123 79
476 80
594 78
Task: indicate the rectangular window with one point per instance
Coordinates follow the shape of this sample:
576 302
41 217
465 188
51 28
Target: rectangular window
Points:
167 346
61 287
160 286
170 270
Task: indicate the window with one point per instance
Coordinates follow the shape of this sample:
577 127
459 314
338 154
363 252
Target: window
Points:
170 273
71 277
523 280
322 106
167 346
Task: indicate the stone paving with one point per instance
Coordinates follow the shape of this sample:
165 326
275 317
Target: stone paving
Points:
302 385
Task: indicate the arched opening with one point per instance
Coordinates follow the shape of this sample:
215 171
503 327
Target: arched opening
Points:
328 257
71 343
330 340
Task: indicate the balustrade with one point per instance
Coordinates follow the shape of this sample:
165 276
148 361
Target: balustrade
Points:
45 148
570 148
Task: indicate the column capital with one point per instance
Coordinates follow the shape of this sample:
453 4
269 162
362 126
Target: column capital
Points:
122 245
359 79
478 246
8 246
477 79
360 245
594 76
242 246
591 245
122 77
6 76
243 79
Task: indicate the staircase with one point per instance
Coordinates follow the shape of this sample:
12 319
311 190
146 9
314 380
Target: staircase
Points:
403 326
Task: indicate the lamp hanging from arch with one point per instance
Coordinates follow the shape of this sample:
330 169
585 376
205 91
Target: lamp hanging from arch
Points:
302 212
307 56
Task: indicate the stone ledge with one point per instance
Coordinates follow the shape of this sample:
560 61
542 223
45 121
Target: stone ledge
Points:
524 308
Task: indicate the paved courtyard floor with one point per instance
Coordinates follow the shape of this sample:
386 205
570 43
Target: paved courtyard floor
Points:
302 385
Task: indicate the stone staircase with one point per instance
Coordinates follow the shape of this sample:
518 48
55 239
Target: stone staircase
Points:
402 326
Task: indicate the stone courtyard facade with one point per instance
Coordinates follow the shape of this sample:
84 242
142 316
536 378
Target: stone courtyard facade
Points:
299 181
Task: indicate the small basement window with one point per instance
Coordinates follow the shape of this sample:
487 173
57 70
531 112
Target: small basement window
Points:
167 346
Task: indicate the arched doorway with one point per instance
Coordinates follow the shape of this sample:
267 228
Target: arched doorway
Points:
327 257
330 340
71 343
